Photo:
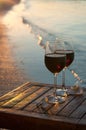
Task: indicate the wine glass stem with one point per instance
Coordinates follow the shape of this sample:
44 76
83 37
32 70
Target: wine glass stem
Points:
55 83
63 78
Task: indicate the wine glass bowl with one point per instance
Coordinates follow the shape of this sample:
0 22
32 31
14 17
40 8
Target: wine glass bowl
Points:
54 62
69 57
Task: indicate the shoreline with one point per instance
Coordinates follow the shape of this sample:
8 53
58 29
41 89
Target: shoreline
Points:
11 75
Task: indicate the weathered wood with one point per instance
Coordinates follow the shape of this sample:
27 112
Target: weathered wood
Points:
56 109
83 119
13 93
31 98
72 106
20 120
80 111
20 96
34 105
25 108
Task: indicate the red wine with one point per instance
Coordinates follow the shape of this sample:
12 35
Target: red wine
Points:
69 56
55 62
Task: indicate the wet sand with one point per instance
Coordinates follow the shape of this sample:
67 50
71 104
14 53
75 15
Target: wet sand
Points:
11 75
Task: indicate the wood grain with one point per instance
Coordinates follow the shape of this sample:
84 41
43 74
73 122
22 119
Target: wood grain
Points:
26 107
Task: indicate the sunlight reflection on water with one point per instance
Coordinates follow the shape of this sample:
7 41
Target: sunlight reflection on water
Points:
47 19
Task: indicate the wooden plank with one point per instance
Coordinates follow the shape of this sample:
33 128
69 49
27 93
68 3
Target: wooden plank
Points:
21 120
20 96
72 106
14 93
55 109
52 109
43 105
18 90
22 104
80 111
59 107
27 109
83 119
34 105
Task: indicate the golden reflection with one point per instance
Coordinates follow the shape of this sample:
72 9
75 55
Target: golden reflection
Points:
40 41
54 109
10 74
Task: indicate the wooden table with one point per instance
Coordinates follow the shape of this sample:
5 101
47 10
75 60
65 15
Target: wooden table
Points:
22 109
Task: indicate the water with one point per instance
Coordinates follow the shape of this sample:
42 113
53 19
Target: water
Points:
34 20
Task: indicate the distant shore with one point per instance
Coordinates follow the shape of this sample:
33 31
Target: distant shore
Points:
11 75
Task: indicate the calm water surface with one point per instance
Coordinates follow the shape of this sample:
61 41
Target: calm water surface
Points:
31 19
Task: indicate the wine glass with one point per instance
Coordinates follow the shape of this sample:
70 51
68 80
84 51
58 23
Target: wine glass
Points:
55 63
69 52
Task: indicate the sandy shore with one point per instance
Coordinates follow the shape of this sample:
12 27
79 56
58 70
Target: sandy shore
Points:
11 75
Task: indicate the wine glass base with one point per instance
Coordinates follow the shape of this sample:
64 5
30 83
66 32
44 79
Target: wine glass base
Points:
61 92
51 99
